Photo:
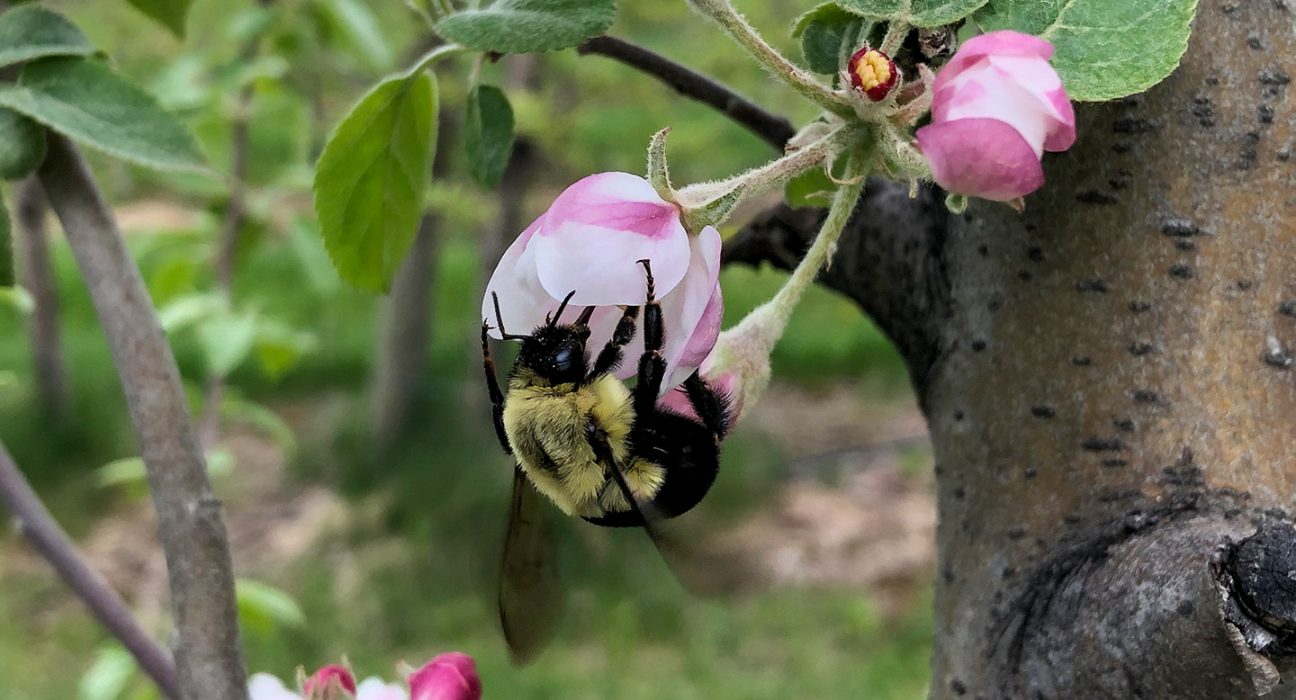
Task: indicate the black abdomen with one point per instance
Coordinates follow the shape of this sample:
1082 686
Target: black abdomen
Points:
688 454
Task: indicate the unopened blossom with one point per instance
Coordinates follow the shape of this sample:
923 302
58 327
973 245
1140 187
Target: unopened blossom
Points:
872 73
996 107
450 676
587 244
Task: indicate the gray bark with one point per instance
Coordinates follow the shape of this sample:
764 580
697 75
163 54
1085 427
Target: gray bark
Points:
1109 385
37 276
208 654
404 338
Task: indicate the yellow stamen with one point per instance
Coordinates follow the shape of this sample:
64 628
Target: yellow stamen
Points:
873 69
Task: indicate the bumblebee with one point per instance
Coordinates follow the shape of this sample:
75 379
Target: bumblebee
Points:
593 447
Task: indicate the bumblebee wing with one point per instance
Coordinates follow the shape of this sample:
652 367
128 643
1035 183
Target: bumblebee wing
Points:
531 595
680 558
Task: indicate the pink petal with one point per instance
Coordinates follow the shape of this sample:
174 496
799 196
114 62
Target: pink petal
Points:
523 301
1063 135
449 676
1042 83
983 158
331 676
1004 42
694 310
596 230
988 92
263 686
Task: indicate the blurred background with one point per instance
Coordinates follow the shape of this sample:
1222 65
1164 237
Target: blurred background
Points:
349 436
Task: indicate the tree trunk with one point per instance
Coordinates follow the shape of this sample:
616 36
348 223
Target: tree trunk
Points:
1108 380
403 342
37 273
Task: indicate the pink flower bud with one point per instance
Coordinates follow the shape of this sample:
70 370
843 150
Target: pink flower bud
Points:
449 676
872 73
332 682
996 107
588 242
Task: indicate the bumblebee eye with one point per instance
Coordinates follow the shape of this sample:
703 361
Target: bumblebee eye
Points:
563 359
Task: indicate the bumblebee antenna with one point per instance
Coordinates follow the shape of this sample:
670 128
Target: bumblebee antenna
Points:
499 319
553 321
584 318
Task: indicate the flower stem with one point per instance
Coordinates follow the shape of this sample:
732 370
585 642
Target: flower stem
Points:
430 58
825 244
763 178
895 35
724 14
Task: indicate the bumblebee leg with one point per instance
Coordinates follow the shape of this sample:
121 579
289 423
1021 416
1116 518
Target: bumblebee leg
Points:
652 367
712 408
610 356
492 385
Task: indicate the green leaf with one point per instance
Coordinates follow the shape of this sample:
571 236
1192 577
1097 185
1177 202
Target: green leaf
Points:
263 607
86 101
6 249
488 134
356 24
169 13
304 236
824 32
28 32
18 299
226 341
109 675
187 310
278 347
919 13
529 26
122 472
1104 49
22 145
371 179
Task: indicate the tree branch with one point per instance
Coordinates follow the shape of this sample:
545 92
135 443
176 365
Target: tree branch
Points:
208 653
774 129
39 527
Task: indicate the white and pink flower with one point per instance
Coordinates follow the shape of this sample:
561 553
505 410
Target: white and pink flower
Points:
996 107
588 243
449 676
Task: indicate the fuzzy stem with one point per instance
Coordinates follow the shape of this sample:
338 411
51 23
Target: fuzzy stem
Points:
724 14
824 246
763 178
895 35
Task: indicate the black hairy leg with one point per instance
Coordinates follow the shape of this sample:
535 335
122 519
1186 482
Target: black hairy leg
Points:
492 385
652 367
610 357
713 409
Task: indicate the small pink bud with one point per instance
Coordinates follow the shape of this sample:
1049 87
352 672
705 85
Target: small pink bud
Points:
872 73
330 683
449 676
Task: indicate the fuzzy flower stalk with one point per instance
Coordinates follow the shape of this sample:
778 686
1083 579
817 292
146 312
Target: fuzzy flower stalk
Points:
739 365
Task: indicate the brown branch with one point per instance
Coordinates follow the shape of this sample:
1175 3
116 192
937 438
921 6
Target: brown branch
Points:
44 533
774 129
209 656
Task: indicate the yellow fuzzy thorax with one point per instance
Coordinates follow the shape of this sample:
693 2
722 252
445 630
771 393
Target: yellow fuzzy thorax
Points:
550 422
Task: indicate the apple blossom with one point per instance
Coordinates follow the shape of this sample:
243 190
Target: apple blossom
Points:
450 676
872 73
587 245
996 107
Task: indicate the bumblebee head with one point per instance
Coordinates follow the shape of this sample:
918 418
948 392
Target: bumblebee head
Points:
554 353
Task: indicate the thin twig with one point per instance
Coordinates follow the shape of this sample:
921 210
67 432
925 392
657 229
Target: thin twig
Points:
38 526
209 657
774 129
37 274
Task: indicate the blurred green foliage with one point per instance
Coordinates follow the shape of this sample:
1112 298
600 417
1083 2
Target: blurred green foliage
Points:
415 574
